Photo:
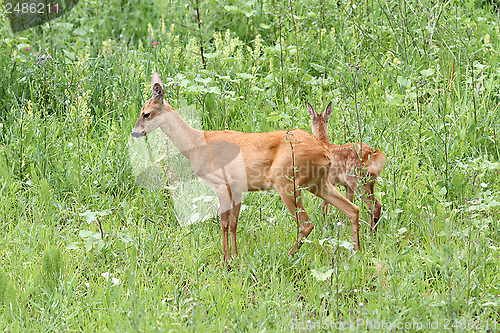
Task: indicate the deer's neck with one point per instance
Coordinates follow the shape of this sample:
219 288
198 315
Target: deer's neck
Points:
320 129
323 136
184 137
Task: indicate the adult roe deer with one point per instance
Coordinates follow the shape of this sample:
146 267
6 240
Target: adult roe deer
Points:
346 163
234 162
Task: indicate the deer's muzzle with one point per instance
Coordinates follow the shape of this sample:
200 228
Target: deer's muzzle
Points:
137 134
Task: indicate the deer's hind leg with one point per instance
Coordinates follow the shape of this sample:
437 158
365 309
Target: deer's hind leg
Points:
324 207
336 199
373 204
349 194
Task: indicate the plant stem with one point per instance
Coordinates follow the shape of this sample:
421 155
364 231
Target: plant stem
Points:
281 62
296 39
358 120
446 137
21 148
473 92
200 35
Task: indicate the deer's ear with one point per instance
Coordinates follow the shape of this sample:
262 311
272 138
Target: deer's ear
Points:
326 114
156 79
311 112
158 93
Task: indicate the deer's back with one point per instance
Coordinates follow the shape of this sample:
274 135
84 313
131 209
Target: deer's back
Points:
346 161
267 157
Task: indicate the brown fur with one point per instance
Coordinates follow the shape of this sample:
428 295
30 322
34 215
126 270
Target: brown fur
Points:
234 162
346 165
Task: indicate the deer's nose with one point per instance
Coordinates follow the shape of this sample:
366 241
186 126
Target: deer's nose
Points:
137 134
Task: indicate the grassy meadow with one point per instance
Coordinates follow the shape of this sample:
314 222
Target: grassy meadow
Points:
103 233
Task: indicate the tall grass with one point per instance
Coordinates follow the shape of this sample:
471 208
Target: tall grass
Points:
426 94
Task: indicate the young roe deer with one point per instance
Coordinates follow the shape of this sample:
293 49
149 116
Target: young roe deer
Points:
346 163
234 162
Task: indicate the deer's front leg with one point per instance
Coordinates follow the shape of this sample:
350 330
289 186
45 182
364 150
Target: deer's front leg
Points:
296 208
233 221
224 222
225 213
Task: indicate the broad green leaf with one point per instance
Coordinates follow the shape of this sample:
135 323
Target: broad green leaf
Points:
205 81
317 67
69 54
100 244
427 72
197 199
179 77
245 76
233 9
403 81
292 50
96 235
195 88
80 31
211 55
21 46
401 231
103 212
184 82
89 216
270 77
277 48
88 244
207 198
438 303
214 90
491 304
321 274
85 233
195 217
396 99
276 117
125 238
225 77
72 246
480 66
347 245
250 13
256 89
443 191
493 203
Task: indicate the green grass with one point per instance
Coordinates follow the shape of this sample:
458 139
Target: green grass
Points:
418 80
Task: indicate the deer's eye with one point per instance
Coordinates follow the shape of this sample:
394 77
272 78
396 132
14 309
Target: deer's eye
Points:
146 115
